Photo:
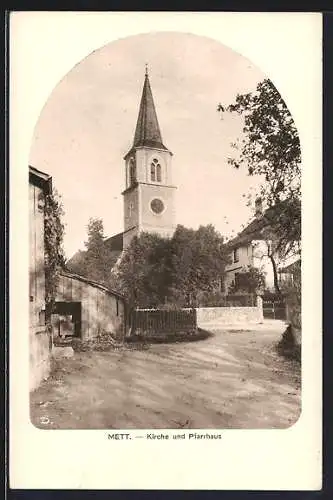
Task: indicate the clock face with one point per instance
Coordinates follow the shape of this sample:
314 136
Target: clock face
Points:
157 206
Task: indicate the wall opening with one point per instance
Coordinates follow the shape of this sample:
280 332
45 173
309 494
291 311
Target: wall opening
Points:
67 317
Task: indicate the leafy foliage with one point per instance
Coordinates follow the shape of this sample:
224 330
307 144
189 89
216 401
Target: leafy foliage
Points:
95 263
270 149
289 344
251 280
198 262
157 271
282 229
53 239
293 287
141 275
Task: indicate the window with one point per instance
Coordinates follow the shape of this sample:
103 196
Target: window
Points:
132 172
158 173
117 307
155 171
236 255
237 281
157 206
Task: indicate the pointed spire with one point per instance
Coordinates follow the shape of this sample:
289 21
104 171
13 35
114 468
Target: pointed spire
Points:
147 132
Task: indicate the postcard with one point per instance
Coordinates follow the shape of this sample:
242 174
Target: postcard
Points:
165 210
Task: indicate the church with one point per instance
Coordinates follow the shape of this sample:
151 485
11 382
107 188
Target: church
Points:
149 194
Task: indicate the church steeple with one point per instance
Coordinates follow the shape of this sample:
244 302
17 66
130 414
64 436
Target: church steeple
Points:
147 132
149 204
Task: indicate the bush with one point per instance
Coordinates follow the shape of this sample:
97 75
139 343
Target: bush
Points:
288 345
170 306
293 295
219 299
213 298
250 280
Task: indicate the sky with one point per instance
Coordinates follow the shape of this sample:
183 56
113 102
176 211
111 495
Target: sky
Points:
88 123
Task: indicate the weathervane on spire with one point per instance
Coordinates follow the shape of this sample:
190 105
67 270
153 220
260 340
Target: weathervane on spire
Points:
146 72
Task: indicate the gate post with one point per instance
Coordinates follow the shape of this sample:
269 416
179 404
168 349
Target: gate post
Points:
260 307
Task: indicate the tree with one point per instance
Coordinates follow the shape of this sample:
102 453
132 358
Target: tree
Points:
156 271
142 275
54 252
250 280
198 262
270 149
95 260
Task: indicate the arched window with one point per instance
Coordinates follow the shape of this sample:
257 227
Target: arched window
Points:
158 173
155 171
132 172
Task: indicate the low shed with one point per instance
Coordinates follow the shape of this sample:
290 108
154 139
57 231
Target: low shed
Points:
87 309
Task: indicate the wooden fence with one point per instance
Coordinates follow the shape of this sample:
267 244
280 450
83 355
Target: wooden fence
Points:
153 322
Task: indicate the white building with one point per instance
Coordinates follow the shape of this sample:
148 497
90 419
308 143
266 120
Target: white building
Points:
253 247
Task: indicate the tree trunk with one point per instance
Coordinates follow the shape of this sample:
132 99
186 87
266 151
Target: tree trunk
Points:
275 274
270 254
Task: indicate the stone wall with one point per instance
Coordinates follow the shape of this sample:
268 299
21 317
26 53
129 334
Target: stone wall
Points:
152 323
229 315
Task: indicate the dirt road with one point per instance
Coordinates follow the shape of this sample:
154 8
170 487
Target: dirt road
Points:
234 379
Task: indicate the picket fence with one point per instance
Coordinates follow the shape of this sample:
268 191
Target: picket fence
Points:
148 322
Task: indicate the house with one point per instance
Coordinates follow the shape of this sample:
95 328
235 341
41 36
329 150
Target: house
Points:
288 274
149 194
252 247
40 185
86 309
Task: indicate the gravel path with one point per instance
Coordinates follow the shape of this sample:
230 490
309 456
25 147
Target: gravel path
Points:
234 379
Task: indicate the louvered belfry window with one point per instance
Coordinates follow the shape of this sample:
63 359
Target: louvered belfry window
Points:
155 171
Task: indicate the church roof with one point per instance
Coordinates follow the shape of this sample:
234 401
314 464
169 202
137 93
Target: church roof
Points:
113 245
147 132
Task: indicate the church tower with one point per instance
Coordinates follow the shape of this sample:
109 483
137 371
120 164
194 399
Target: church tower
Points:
149 193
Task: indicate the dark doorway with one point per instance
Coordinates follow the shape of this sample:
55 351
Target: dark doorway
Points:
72 309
